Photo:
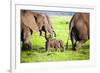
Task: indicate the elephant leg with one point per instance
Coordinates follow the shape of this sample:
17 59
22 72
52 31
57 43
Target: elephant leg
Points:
40 32
48 49
79 45
74 44
62 45
26 43
27 46
46 46
42 28
73 40
22 36
58 49
45 34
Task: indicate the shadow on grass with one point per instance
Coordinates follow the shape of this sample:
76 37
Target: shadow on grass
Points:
69 48
38 49
86 46
41 49
83 50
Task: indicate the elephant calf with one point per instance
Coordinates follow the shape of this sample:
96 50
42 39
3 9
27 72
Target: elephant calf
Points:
54 44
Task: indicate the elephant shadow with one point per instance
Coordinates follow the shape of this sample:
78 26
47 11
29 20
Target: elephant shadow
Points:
86 46
38 49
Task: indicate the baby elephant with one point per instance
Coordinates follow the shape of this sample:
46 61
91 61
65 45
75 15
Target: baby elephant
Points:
54 44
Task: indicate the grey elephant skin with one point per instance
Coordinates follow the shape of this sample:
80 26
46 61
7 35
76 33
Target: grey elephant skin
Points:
33 22
54 44
79 29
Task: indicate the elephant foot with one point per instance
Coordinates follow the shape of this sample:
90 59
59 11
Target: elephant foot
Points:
74 49
27 46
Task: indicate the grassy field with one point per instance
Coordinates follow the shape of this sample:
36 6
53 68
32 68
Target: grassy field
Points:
38 53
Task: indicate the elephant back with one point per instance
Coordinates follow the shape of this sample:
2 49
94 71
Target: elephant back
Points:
28 20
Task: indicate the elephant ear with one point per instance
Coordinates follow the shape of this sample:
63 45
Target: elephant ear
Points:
28 19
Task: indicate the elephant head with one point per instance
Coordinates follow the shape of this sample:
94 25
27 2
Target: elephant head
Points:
44 23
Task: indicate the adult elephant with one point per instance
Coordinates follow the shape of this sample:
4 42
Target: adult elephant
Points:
79 29
28 25
44 24
33 22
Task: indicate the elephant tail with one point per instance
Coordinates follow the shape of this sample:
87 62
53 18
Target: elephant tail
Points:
70 30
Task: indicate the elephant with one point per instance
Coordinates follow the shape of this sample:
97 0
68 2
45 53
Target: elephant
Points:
44 24
28 26
54 44
33 22
79 30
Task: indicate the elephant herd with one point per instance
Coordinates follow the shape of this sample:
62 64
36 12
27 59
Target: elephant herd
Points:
40 22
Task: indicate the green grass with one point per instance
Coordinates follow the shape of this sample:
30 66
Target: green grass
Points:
38 53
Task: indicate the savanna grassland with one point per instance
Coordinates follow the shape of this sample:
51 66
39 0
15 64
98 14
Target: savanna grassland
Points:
38 53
